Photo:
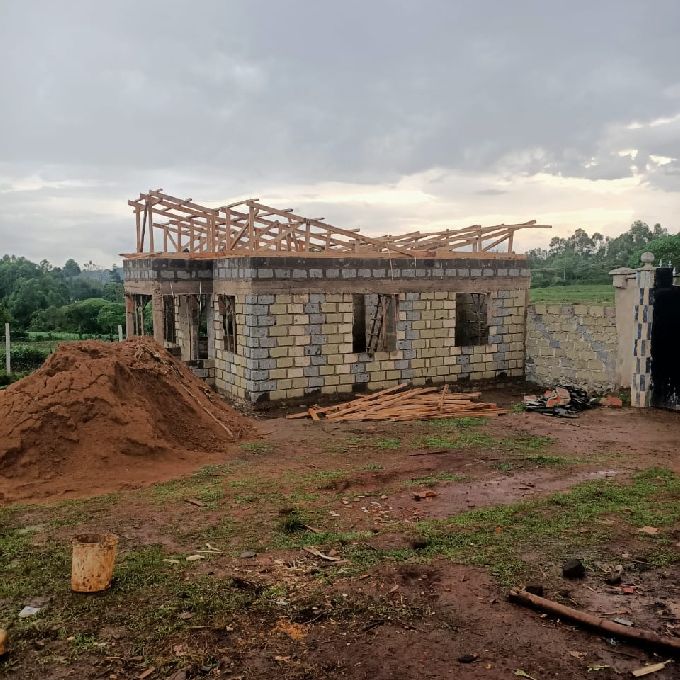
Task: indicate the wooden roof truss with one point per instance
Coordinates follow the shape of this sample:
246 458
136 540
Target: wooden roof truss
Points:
167 225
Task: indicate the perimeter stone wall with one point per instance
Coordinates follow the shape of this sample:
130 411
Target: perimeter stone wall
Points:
572 344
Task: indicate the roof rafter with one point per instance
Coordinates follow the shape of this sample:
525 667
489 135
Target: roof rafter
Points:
249 227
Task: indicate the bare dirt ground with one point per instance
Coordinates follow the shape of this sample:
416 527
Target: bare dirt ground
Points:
427 525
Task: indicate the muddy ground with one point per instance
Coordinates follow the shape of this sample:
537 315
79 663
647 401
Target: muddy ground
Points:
427 525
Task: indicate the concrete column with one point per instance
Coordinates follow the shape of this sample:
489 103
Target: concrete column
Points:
641 383
187 327
210 320
624 280
157 317
129 316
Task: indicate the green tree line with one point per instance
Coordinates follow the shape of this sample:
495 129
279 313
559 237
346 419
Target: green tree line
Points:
584 258
42 297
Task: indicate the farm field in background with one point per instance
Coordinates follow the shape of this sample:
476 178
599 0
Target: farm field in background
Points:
587 293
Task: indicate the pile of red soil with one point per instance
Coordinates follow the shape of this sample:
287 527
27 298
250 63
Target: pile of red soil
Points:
104 409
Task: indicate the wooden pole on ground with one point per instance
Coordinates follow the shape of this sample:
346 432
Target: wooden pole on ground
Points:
8 357
633 635
120 333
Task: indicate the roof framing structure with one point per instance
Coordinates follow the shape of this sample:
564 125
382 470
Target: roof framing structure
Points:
167 226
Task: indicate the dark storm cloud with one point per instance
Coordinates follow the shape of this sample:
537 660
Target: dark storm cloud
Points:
102 100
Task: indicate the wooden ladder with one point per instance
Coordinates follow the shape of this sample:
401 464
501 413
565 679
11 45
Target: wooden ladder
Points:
376 334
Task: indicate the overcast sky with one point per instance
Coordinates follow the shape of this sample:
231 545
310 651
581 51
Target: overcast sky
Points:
381 114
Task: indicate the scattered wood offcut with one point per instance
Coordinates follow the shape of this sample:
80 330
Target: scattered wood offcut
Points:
400 403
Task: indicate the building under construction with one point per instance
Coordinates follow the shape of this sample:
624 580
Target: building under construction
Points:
266 304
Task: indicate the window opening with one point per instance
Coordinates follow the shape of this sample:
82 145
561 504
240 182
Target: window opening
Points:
169 329
472 326
227 311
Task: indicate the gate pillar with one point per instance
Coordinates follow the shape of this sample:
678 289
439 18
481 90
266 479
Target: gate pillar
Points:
641 383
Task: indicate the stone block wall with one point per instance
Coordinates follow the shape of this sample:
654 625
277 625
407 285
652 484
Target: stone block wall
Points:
293 344
294 319
573 344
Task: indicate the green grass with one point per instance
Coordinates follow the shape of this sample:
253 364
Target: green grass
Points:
292 522
526 443
205 485
433 480
513 542
498 537
387 443
534 461
594 293
448 423
258 447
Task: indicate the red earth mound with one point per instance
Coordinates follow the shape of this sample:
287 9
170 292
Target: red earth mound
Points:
96 412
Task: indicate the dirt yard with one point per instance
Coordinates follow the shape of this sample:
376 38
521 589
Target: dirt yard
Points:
426 524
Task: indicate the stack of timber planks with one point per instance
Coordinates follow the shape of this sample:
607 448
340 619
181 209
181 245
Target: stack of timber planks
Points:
398 403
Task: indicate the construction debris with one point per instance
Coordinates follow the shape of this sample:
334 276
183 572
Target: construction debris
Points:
573 568
400 403
647 670
328 558
564 401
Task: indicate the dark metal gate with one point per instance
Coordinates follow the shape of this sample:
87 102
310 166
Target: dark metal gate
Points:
665 342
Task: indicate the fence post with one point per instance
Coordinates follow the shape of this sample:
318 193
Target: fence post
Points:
8 358
120 333
641 382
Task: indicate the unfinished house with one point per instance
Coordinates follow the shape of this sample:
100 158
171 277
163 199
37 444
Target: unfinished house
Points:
266 304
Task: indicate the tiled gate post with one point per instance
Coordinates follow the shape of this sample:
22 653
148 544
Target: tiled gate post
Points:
641 386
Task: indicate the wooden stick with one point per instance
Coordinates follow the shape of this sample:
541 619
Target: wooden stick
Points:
634 635
443 396
363 400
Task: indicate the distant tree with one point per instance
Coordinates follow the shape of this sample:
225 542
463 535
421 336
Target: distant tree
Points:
82 289
28 297
588 259
50 319
114 292
4 318
110 316
665 248
14 270
71 268
81 316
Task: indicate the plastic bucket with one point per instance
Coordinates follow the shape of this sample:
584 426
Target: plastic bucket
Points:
92 562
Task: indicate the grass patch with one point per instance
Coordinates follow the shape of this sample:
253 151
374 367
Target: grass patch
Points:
594 293
468 421
526 443
433 480
322 538
387 443
322 479
497 537
536 461
206 485
461 440
291 522
259 448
